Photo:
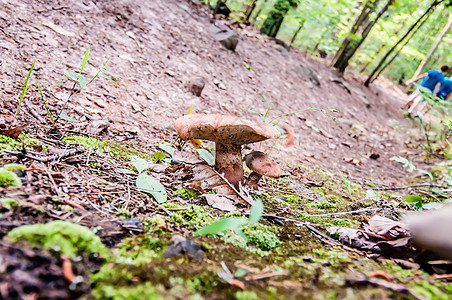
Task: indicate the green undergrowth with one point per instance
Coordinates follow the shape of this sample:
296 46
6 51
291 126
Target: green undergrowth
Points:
313 270
27 140
9 178
62 237
112 148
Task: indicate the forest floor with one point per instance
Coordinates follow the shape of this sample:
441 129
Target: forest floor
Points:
81 170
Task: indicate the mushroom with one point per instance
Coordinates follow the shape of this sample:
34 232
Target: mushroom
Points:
261 164
229 133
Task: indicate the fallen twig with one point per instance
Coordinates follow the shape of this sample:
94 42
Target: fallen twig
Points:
233 188
409 186
349 212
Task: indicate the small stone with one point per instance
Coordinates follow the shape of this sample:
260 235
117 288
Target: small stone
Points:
229 39
196 86
98 126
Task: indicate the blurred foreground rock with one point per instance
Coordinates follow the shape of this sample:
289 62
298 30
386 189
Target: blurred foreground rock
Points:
432 230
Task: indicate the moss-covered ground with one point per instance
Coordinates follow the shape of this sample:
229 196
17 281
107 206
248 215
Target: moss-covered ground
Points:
278 260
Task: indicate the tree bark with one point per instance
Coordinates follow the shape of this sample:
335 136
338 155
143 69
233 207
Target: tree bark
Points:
274 20
296 33
342 61
248 9
398 52
434 47
433 5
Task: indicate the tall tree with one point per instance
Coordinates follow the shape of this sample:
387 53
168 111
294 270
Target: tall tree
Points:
360 30
435 45
276 16
382 61
248 8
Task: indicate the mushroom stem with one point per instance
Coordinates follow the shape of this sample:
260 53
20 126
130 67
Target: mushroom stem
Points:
228 160
253 180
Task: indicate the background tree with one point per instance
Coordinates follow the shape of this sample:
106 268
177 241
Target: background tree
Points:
274 20
360 30
382 61
434 47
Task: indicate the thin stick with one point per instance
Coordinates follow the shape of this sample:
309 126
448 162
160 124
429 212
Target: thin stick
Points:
349 212
233 188
409 186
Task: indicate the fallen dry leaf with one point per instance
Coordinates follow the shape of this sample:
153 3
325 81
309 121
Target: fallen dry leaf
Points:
13 132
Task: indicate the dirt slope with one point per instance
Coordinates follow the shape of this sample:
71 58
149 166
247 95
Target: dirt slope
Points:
156 47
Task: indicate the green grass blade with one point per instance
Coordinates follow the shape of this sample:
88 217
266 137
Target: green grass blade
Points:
24 90
45 105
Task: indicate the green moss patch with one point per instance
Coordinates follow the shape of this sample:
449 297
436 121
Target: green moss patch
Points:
60 236
107 147
9 178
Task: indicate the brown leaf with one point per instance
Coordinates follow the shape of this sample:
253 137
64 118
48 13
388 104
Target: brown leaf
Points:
13 132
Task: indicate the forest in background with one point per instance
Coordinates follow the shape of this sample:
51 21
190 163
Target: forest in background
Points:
321 27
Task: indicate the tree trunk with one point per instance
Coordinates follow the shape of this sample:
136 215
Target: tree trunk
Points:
372 58
358 21
342 61
398 52
296 33
248 9
434 47
433 5
274 20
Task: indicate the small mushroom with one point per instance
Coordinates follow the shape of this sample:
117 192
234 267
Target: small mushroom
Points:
229 133
262 165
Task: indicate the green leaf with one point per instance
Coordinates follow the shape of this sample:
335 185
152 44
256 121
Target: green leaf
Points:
109 78
159 156
168 149
85 60
406 163
240 273
412 198
82 81
139 163
371 195
256 212
24 90
126 171
231 223
152 186
45 104
70 75
347 183
432 205
67 118
190 110
206 156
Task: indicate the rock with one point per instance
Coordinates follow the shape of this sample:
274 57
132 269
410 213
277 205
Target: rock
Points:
432 230
282 49
229 39
196 86
97 127
308 74
184 247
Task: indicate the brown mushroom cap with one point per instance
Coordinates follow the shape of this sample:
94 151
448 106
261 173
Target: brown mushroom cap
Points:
228 129
228 133
262 164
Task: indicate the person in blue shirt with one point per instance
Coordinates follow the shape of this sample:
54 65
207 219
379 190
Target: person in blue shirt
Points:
445 89
431 81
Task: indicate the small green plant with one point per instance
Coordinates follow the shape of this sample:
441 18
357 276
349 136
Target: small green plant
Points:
347 183
78 79
234 223
148 184
413 199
